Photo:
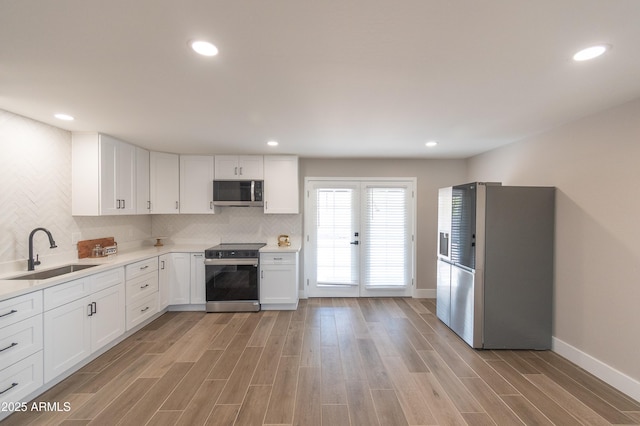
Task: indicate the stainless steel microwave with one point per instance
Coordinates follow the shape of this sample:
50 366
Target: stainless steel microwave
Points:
238 193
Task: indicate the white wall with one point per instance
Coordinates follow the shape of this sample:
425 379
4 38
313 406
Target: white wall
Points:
35 179
430 174
595 165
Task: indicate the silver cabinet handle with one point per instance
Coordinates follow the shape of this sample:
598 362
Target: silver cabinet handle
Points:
9 347
235 171
261 273
144 310
90 308
177 205
144 286
148 205
94 307
124 204
210 205
13 311
13 385
144 267
162 264
240 171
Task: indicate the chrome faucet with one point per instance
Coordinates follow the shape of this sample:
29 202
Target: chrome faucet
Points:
31 264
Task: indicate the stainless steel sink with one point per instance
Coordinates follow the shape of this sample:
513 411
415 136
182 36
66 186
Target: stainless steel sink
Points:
43 275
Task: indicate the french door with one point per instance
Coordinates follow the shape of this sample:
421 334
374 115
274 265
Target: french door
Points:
359 237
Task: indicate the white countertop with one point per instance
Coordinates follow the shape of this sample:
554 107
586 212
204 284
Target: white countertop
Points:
274 248
13 288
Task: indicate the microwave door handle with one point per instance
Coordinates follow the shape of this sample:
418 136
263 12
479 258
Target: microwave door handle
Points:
253 190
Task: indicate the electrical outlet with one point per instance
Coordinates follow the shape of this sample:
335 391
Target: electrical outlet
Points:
75 237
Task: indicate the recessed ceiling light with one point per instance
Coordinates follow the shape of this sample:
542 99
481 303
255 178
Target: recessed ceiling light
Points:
65 117
204 48
431 144
272 143
591 52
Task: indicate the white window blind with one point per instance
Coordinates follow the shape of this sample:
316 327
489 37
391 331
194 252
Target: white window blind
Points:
336 263
387 237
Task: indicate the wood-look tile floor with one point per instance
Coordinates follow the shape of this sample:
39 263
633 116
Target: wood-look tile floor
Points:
332 362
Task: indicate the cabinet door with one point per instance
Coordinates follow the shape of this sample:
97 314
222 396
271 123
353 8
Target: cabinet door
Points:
281 184
164 278
108 319
142 181
196 184
226 167
108 173
278 284
250 167
67 337
164 185
179 285
198 288
126 178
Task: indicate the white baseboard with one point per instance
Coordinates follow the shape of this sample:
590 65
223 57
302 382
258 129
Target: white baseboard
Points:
424 293
608 374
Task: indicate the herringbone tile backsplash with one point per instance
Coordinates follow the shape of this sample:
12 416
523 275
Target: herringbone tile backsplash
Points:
228 225
35 191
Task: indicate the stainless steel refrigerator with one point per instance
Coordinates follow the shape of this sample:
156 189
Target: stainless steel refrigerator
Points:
495 264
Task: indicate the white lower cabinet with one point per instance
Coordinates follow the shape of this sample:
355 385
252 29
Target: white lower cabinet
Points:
197 279
138 312
164 279
279 280
180 277
20 379
142 291
20 347
73 330
186 279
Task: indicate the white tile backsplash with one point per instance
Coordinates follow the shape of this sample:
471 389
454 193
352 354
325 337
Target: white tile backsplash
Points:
35 191
229 225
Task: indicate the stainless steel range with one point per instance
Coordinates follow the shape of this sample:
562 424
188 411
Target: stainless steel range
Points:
231 272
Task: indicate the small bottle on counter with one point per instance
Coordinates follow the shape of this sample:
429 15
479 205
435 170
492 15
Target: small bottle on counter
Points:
97 251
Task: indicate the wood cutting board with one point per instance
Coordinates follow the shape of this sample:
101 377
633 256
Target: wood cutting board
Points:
85 247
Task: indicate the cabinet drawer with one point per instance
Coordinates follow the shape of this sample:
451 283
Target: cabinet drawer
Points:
21 307
21 378
140 268
277 258
142 310
20 340
140 287
67 292
107 279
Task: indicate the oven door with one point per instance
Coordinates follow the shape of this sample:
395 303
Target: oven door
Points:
232 285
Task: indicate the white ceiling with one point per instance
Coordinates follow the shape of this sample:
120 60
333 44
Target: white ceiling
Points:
326 78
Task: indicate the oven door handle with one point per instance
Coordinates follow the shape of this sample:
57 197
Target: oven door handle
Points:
224 262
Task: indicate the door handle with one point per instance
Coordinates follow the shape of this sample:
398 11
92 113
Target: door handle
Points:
355 243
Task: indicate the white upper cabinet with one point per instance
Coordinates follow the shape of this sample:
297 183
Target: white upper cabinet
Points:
143 202
103 175
164 183
239 167
281 184
196 184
